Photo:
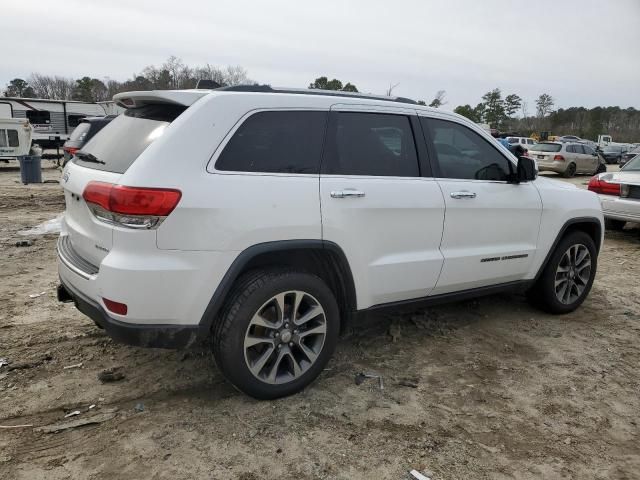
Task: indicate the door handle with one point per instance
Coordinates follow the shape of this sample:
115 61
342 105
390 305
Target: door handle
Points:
463 194
347 193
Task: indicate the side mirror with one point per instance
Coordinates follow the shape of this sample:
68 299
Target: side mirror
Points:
527 170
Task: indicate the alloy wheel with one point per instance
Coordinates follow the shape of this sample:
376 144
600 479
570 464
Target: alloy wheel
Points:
285 337
573 274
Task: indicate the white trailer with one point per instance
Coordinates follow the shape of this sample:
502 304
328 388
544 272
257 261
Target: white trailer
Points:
15 138
52 120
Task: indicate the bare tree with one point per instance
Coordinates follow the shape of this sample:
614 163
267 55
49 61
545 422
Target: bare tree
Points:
438 100
390 89
53 87
544 105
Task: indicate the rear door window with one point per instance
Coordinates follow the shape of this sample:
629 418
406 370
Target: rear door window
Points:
276 142
122 141
372 144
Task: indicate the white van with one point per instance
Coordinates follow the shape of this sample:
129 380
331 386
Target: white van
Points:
525 142
15 138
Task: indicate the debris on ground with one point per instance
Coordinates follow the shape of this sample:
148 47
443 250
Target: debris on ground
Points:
75 365
361 377
418 476
25 243
139 407
104 416
15 426
112 374
3 362
72 414
36 295
50 226
409 382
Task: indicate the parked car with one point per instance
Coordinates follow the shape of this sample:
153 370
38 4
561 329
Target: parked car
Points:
269 219
613 153
619 194
571 139
85 131
629 155
525 142
567 159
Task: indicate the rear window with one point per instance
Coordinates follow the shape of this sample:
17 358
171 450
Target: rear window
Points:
547 147
9 138
513 140
127 136
80 132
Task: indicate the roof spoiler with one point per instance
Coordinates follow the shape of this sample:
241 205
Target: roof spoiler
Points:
174 97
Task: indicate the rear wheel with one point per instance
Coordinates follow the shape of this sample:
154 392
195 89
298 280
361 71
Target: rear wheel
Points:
567 278
570 171
611 224
277 332
601 168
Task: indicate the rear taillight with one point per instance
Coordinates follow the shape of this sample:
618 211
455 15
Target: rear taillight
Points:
133 207
597 185
558 158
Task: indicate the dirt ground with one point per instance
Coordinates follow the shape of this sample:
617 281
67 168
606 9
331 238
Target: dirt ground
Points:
482 389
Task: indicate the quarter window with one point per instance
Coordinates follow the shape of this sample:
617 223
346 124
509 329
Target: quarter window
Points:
372 144
276 142
463 154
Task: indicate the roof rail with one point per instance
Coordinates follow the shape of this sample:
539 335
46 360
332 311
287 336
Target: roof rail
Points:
311 91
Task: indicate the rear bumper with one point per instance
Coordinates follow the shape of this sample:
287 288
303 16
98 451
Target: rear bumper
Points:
555 166
616 208
143 335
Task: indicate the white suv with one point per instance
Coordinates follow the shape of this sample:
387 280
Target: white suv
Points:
268 219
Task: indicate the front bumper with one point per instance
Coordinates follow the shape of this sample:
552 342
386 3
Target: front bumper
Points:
143 335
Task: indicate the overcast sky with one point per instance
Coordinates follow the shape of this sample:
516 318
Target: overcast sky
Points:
581 52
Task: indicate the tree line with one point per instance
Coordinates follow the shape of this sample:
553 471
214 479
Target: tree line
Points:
170 75
508 113
512 114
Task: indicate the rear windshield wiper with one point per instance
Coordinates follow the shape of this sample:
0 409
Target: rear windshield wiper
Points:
88 157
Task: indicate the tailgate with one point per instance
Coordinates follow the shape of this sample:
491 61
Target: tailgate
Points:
89 238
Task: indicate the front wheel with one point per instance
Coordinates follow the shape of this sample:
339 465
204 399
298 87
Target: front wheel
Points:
277 332
567 278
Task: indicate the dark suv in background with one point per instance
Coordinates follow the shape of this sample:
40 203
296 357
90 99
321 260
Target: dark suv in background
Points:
86 129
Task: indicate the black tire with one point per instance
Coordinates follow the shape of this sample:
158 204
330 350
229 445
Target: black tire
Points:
601 168
570 171
611 224
543 294
248 297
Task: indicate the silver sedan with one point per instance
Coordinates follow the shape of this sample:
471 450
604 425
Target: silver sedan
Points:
619 194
